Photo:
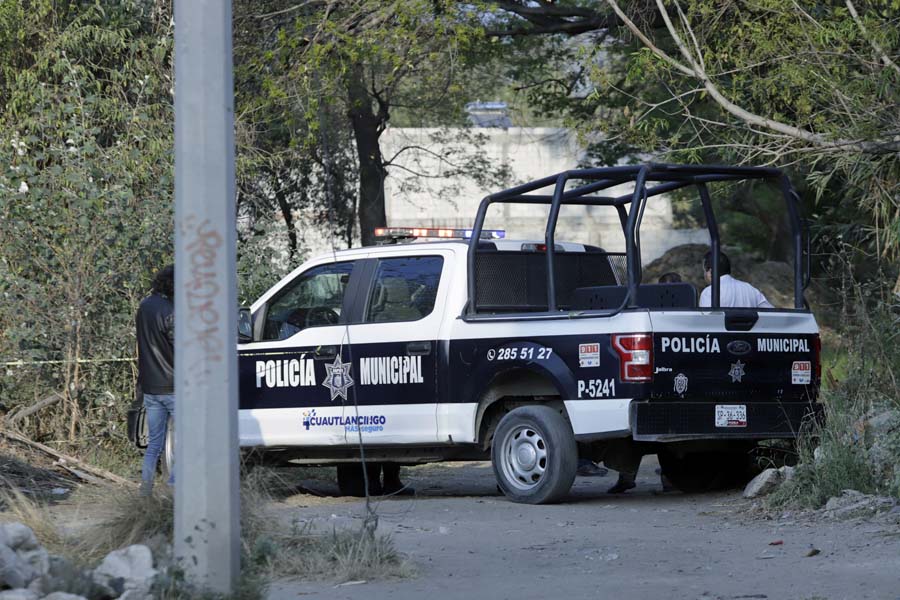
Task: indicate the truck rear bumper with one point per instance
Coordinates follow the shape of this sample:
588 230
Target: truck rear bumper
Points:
665 421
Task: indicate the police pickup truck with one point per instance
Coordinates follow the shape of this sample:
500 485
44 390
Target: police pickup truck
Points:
530 353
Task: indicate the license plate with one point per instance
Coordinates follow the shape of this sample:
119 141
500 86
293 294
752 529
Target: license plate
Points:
731 415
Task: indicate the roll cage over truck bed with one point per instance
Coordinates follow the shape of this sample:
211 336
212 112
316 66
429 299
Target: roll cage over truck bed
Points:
667 178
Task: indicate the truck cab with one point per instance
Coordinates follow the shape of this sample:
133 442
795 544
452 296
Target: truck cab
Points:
530 353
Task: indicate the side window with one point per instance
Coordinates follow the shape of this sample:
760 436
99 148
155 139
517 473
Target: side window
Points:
404 289
313 299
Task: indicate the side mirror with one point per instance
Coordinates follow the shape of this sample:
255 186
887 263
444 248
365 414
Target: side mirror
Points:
245 326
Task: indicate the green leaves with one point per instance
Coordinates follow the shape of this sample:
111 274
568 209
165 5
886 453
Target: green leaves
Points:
86 145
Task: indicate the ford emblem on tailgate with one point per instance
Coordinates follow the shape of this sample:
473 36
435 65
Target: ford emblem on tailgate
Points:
738 347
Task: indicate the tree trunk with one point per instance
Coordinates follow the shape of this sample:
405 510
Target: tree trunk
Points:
288 215
74 390
367 127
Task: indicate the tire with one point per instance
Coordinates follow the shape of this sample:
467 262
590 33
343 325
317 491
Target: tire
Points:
351 482
167 464
706 471
534 455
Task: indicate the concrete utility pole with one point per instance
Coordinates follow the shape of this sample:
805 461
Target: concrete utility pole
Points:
207 503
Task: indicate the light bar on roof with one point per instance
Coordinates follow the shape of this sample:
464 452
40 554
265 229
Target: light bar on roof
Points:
436 232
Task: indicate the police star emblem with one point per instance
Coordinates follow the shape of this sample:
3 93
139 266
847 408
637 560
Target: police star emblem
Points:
337 378
737 372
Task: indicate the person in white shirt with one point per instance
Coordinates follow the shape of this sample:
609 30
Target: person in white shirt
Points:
733 292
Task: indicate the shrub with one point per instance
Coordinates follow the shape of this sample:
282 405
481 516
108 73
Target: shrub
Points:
858 446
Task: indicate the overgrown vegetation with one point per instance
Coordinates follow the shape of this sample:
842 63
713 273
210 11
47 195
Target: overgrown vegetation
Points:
858 446
85 215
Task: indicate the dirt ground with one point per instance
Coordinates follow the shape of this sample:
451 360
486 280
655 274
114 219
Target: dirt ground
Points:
467 541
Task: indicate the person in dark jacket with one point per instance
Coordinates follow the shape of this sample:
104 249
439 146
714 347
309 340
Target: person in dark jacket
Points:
155 323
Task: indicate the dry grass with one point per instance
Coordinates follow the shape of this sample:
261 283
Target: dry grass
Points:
301 550
36 515
126 518
339 555
270 549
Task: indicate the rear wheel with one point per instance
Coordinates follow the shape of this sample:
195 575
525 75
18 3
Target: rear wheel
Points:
534 455
168 461
706 471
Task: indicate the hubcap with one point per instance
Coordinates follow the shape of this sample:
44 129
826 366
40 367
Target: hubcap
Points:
523 457
527 456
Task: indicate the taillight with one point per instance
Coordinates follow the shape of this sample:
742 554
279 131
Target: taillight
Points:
635 352
817 352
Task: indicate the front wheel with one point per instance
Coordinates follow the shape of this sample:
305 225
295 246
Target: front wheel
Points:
534 455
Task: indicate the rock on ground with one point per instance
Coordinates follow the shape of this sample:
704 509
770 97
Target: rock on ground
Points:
18 537
852 504
19 594
127 570
22 560
767 481
63 596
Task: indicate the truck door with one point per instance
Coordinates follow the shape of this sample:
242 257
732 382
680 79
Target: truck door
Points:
395 349
294 382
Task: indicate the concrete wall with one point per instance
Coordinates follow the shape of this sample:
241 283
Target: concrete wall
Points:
530 153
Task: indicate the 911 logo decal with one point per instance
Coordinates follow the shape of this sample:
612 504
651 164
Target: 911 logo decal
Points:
801 372
588 355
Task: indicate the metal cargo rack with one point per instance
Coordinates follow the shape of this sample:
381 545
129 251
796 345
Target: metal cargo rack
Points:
649 180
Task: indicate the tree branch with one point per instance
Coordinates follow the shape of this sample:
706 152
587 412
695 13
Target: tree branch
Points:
697 71
441 157
50 400
97 471
290 9
646 41
884 57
